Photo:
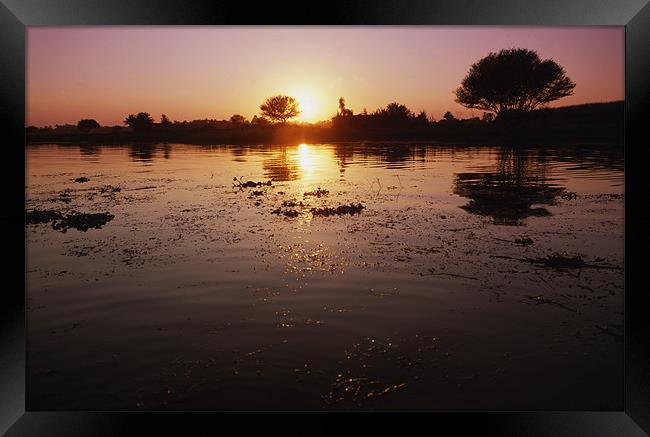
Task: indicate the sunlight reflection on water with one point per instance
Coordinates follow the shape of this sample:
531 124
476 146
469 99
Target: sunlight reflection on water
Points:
197 288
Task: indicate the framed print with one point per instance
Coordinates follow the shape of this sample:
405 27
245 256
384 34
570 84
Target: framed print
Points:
417 208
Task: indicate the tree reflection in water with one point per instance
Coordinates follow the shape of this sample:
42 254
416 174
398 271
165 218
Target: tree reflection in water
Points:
511 193
280 168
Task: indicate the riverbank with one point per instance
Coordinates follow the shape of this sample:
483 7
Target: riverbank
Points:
601 123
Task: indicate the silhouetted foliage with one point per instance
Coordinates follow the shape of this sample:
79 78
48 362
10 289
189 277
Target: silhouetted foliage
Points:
260 121
448 116
280 108
488 117
343 111
395 111
513 80
86 125
238 119
601 123
164 121
142 121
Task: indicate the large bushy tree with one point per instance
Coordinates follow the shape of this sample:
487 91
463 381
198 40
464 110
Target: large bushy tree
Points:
513 80
87 124
280 108
142 121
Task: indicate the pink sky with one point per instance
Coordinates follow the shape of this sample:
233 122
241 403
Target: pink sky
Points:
193 72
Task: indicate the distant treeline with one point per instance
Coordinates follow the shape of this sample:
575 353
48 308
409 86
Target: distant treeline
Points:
597 123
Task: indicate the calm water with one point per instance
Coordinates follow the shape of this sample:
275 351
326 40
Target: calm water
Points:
196 296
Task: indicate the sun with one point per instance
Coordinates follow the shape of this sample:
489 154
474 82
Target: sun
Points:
308 105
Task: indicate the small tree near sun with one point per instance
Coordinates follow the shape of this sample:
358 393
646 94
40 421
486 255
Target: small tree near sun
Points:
280 108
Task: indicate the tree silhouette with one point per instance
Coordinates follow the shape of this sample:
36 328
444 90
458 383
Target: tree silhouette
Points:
280 108
488 117
164 120
448 116
396 110
260 121
513 80
238 119
142 121
87 124
343 111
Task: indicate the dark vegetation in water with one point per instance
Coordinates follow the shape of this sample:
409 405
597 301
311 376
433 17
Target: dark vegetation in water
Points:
352 208
82 221
288 207
38 216
81 179
292 203
291 213
560 261
63 197
319 192
62 222
109 189
523 241
542 300
240 183
564 261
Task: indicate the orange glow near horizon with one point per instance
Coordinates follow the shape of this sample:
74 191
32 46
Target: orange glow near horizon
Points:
197 72
309 107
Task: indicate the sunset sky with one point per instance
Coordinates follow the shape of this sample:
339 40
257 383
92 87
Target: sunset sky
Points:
189 73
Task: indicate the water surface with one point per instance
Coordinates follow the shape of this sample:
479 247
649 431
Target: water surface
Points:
196 296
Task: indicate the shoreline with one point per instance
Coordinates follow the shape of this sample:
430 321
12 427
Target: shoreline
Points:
440 143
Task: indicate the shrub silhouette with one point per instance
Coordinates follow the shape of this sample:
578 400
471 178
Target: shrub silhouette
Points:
395 111
280 108
343 111
448 116
142 121
87 124
238 119
513 80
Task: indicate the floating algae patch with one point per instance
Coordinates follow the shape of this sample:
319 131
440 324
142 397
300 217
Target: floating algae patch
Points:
38 216
352 208
292 203
82 221
524 241
63 197
559 261
60 222
292 213
541 300
109 189
319 192
564 261
240 183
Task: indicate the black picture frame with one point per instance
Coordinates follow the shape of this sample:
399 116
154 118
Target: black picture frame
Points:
15 15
